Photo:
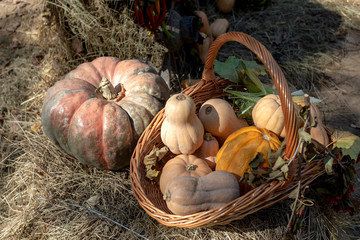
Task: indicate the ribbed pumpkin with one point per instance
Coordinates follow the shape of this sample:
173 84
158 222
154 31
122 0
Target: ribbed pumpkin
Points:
268 114
99 110
242 146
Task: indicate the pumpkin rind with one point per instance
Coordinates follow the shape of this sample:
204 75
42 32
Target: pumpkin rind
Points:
183 165
99 132
241 147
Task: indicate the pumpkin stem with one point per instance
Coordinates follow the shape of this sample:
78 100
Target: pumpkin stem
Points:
106 89
109 92
191 167
208 136
266 137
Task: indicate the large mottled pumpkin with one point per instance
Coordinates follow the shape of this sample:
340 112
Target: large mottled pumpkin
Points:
242 146
97 112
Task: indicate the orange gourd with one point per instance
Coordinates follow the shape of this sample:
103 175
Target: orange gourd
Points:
241 147
208 150
204 22
219 118
183 165
225 6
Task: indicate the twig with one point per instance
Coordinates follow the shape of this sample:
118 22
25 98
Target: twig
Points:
307 101
305 128
109 219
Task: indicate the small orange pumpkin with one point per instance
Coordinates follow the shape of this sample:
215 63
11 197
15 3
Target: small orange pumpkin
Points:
183 165
241 147
208 150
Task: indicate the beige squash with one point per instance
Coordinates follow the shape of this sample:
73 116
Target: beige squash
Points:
218 27
187 195
205 27
181 131
268 114
225 6
219 118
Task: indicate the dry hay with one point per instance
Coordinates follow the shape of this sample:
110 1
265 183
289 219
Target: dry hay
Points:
46 194
96 28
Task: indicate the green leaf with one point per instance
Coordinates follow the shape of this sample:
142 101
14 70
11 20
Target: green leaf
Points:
298 97
252 97
255 85
254 67
348 142
228 69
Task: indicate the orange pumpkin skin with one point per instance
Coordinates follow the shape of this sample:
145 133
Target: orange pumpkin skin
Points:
99 132
242 146
183 165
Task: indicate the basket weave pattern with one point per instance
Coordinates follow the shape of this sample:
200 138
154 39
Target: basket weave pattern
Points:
148 193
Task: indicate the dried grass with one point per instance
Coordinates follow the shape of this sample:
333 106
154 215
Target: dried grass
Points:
103 29
46 194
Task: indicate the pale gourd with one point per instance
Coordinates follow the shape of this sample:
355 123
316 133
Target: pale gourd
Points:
181 131
218 27
186 195
225 6
208 150
268 114
219 118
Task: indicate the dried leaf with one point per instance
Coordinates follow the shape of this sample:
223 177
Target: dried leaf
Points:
151 162
258 159
285 170
304 135
275 174
328 166
279 163
294 193
35 127
348 142
93 200
273 156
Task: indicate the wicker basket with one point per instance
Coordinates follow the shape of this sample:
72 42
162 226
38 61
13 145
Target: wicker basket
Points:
147 192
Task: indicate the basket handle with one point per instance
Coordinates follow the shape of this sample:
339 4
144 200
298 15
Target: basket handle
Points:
276 74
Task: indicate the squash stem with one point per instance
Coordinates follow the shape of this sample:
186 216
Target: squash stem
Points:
191 167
